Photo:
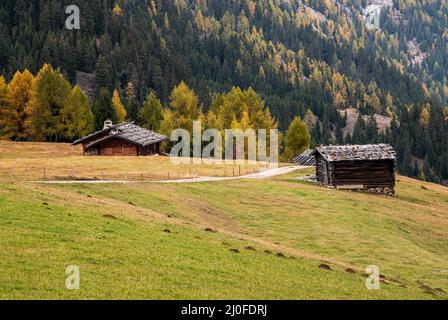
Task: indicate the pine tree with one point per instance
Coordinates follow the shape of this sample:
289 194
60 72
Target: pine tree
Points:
310 120
425 117
131 102
103 109
236 102
371 130
184 109
119 108
117 11
416 171
51 94
3 93
103 73
18 97
77 117
151 113
427 171
4 46
297 139
359 133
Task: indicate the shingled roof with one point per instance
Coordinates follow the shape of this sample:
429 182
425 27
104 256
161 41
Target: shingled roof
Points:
125 131
357 152
306 159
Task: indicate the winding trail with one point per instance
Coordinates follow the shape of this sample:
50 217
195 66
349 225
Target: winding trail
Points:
258 175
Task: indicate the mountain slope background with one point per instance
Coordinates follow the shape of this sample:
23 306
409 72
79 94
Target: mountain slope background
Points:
306 58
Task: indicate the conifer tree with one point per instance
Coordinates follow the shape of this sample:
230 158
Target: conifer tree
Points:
51 94
131 102
77 116
297 139
3 93
184 109
18 97
151 113
119 108
103 109
310 120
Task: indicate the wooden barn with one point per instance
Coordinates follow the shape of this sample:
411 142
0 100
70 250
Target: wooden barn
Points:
360 167
126 139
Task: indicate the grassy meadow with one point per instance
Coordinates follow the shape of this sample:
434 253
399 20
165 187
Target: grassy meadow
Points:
239 239
51 161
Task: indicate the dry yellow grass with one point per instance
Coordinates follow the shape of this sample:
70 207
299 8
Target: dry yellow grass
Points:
50 161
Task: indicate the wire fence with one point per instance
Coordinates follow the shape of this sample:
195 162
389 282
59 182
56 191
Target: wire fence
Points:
82 174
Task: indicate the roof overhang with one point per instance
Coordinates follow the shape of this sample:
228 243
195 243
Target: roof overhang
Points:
95 134
117 136
389 156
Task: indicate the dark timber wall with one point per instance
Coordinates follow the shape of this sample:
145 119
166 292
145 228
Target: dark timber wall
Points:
370 173
118 147
360 174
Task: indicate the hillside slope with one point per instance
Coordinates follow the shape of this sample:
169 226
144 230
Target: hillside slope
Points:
178 241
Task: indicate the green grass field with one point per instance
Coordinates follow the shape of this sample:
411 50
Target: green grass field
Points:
268 239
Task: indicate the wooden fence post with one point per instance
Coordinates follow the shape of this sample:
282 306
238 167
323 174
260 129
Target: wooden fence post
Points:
45 173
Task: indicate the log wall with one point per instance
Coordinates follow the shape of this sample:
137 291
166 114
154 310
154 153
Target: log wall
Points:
370 173
376 175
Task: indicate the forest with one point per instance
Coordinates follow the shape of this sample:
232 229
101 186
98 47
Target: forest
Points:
276 60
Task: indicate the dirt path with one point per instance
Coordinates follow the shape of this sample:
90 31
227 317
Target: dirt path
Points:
258 175
268 173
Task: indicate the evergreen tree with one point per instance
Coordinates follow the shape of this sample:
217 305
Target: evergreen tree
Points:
131 102
427 171
103 109
151 113
119 108
184 109
297 139
103 73
77 117
3 93
51 95
18 96
371 130
4 46
359 134
235 103
310 120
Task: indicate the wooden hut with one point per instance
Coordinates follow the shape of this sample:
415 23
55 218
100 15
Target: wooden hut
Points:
126 139
360 167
